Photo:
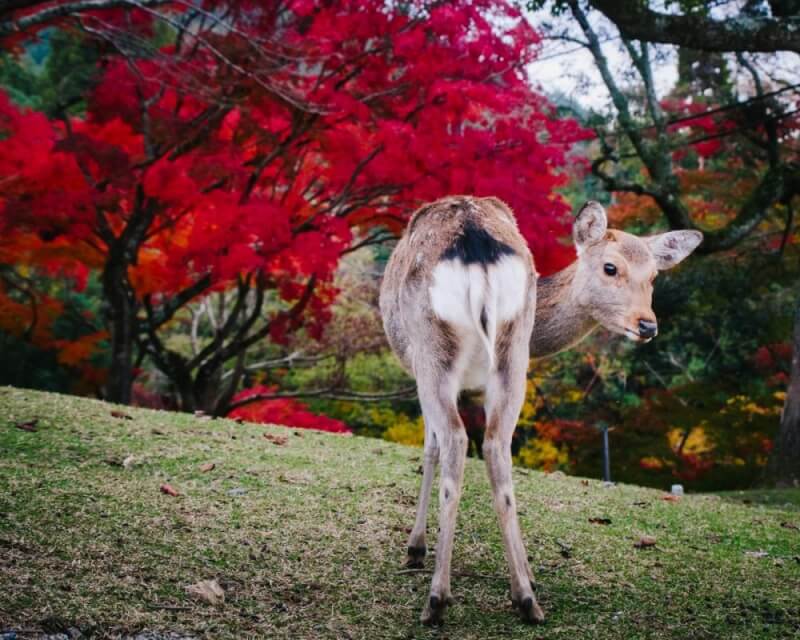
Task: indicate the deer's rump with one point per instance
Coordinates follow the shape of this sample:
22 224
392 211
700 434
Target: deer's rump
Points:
460 273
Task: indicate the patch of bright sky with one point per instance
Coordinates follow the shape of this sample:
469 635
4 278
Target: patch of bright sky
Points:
565 70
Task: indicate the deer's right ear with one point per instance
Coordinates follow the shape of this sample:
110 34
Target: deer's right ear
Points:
590 226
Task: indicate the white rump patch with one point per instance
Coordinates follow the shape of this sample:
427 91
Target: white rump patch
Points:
461 294
508 282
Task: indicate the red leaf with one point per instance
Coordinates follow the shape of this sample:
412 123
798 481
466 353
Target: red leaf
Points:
645 542
169 490
279 440
29 426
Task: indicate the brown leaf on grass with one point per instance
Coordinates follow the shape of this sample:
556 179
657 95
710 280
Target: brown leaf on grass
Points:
671 498
645 542
279 440
585 483
29 426
169 490
600 520
120 415
790 525
208 591
208 466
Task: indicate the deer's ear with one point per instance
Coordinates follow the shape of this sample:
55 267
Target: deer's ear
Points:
672 247
590 226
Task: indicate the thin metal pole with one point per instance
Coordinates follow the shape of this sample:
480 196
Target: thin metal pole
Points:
606 457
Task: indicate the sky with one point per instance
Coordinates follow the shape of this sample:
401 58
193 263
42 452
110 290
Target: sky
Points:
567 68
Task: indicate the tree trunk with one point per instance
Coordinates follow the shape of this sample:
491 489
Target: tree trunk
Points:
123 327
783 469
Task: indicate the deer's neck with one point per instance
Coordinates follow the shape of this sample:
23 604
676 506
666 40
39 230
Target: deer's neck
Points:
560 321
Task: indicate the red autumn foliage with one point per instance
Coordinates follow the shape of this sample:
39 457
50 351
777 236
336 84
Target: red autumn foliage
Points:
285 411
222 165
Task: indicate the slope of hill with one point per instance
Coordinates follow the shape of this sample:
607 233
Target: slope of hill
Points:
305 534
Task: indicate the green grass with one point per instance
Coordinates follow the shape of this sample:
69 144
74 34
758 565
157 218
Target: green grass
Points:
314 547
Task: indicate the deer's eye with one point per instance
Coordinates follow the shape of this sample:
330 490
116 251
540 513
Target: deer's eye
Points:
609 269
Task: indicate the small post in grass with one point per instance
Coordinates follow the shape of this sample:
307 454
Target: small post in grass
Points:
603 426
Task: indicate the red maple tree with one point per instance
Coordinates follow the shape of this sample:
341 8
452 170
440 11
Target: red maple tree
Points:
258 146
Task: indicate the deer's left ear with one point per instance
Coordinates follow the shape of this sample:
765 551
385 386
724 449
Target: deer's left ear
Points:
672 247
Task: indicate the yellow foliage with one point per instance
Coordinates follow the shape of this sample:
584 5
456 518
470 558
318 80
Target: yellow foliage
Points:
651 462
744 404
696 443
542 454
406 431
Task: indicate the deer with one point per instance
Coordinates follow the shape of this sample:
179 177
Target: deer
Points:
464 308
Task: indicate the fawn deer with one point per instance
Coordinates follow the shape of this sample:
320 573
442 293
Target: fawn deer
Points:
463 308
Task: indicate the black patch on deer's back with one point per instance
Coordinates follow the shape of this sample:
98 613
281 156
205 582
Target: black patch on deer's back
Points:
475 245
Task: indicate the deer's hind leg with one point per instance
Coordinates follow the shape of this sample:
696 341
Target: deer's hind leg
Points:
438 399
505 393
416 541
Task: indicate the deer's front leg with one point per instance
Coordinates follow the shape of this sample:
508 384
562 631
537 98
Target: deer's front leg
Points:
416 541
441 412
504 397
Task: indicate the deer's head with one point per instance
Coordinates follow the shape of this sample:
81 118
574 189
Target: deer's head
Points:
616 270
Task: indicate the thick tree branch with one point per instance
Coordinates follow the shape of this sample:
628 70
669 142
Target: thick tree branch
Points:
741 32
48 14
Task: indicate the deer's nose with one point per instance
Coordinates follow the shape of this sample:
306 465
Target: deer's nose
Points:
648 329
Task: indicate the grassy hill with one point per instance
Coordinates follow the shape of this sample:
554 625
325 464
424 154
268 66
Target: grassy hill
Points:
305 532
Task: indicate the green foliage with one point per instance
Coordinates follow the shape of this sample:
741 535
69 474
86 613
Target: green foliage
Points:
59 83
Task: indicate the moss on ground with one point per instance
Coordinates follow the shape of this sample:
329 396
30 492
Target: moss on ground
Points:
309 543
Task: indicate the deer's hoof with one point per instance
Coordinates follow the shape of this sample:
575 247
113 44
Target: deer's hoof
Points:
530 611
433 614
416 557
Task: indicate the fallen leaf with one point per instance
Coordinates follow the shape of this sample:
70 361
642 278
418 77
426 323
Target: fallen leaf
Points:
585 483
279 440
756 554
29 426
300 477
208 591
208 466
169 490
645 542
671 498
790 525
600 520
121 415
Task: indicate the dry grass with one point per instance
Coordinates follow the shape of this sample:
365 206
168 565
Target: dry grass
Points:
310 542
